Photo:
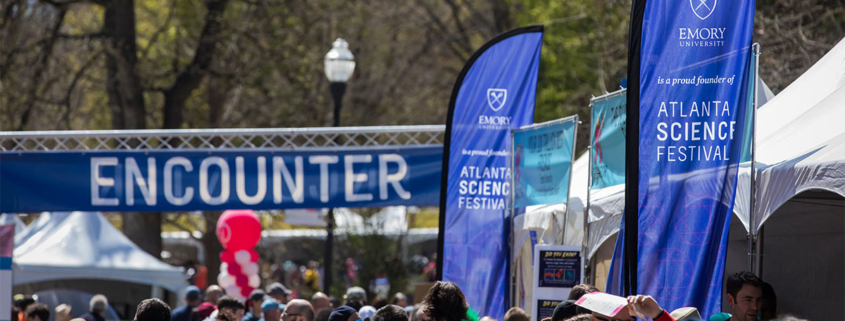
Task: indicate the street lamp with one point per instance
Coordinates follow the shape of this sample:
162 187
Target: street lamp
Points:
339 64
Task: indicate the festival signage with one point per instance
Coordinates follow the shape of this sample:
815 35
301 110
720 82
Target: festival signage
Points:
542 162
493 94
140 181
545 308
688 74
7 246
557 269
607 141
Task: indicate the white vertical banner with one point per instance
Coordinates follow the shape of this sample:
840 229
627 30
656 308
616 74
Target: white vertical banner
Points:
7 246
557 269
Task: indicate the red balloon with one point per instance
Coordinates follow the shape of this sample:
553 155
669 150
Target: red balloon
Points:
253 256
242 281
227 256
238 230
234 269
245 292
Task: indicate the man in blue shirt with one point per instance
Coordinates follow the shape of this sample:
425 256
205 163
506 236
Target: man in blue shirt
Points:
272 310
193 297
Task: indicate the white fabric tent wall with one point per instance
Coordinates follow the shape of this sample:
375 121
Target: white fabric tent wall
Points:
6 219
84 245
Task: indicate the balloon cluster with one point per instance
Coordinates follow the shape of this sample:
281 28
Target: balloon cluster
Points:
239 232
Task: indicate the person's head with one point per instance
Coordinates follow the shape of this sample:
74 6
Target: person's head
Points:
445 302
279 292
356 292
581 317
769 307
366 312
212 293
37 312
344 313
98 304
516 314
193 296
226 316
745 295
419 314
565 310
354 303
320 301
487 318
152 310
204 310
399 299
579 290
323 314
232 306
378 303
63 312
256 298
298 310
271 309
391 313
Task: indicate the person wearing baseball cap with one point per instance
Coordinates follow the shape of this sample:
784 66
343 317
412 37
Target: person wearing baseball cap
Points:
272 310
279 292
256 298
193 297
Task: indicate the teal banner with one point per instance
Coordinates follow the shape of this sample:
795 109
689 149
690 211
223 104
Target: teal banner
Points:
543 161
607 141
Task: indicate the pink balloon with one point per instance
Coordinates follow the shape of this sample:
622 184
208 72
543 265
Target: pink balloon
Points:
238 230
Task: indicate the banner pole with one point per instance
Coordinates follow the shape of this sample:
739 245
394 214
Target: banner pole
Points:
753 238
511 240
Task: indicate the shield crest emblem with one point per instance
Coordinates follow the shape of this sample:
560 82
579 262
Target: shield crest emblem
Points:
496 98
703 8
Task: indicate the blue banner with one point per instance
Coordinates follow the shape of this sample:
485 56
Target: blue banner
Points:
607 141
543 162
693 77
493 94
145 181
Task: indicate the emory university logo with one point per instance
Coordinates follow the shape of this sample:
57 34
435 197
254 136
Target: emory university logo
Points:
702 8
496 98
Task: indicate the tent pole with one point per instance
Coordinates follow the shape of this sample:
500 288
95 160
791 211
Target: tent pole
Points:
758 253
589 277
752 225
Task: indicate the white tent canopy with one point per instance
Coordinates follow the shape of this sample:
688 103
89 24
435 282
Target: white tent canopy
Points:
6 219
84 245
801 140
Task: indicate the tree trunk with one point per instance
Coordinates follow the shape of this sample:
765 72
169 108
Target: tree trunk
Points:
144 229
212 246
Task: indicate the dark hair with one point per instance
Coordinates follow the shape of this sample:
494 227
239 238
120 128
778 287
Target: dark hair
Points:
418 307
152 310
38 309
379 302
399 296
323 314
579 290
225 316
738 279
582 317
391 312
354 303
445 302
229 302
516 314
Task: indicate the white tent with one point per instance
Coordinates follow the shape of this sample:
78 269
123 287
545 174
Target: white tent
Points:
84 245
6 219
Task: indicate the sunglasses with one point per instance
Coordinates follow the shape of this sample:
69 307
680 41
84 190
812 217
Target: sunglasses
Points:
286 314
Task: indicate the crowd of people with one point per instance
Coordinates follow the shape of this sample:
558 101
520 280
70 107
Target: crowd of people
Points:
750 299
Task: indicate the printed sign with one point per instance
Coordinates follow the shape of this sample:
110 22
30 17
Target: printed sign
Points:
542 162
545 308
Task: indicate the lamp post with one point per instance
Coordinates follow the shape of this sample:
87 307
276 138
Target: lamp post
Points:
339 64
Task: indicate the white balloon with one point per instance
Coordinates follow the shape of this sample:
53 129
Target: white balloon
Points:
225 280
254 281
242 257
234 290
224 267
250 269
